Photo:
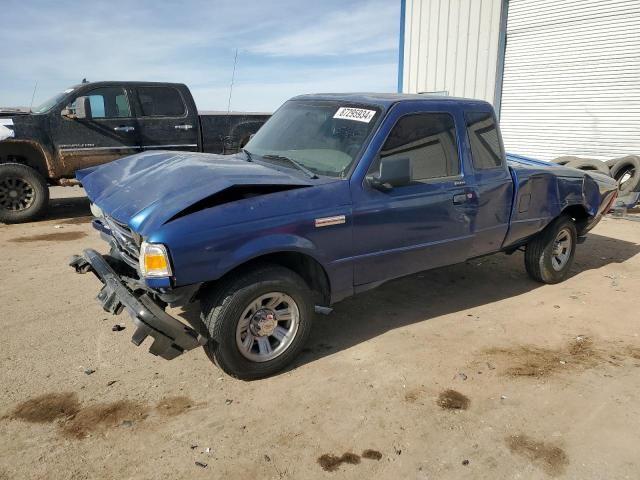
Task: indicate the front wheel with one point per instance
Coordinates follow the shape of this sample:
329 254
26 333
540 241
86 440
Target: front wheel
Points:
549 255
258 321
24 194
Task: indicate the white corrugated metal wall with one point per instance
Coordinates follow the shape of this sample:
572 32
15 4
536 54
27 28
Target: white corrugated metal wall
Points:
452 46
572 78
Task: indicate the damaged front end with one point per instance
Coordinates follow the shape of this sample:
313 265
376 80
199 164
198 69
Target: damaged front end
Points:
120 292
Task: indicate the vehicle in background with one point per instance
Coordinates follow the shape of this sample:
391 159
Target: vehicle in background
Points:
335 195
95 123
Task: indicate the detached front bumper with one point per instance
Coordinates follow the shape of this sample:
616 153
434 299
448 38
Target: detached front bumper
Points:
171 337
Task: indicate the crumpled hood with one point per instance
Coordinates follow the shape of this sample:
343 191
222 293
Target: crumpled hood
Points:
147 189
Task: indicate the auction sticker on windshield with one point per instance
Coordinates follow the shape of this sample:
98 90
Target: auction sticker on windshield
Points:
357 114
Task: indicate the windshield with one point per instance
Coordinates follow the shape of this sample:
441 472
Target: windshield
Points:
321 135
49 104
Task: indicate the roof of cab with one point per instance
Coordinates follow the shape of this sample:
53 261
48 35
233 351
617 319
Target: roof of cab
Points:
386 100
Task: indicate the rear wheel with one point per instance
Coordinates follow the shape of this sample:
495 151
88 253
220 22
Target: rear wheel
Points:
549 255
258 321
24 194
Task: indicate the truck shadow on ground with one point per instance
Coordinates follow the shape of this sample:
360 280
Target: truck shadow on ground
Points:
68 209
428 295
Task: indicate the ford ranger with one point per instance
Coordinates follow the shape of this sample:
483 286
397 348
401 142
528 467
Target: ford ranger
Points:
94 123
333 196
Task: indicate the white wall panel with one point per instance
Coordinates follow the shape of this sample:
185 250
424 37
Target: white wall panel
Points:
572 78
451 45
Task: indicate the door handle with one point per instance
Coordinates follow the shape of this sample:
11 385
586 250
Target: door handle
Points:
124 129
185 126
460 198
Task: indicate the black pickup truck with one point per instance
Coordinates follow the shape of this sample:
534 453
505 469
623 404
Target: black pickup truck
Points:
94 123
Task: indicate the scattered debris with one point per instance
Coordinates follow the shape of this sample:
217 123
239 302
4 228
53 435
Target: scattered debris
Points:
465 462
201 464
462 376
228 401
111 382
193 446
267 458
89 371
117 328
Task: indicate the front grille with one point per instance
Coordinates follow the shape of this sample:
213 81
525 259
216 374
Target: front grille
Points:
125 241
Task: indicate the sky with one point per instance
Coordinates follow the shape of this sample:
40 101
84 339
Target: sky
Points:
285 47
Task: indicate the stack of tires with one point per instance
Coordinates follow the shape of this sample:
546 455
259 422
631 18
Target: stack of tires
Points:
626 170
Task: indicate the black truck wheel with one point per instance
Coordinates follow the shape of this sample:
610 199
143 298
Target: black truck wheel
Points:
549 255
257 321
24 194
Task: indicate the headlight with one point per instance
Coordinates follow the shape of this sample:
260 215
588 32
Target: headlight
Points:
154 260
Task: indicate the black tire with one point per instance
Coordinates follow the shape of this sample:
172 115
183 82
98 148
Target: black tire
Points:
564 159
223 308
589 164
24 195
539 258
627 172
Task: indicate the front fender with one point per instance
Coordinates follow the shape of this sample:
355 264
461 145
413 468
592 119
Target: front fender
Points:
261 246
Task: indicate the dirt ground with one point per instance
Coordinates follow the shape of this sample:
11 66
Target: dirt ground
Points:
472 371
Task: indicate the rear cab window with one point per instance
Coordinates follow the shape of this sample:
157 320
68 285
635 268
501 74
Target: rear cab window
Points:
161 102
487 151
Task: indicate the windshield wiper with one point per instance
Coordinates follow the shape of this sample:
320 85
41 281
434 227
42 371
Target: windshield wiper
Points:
302 168
248 154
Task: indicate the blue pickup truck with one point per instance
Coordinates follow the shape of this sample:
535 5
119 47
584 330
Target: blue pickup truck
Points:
333 196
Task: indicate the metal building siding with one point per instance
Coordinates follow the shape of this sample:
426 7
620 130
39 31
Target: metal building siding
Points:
451 45
571 83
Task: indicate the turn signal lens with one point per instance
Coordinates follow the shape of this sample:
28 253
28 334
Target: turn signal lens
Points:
154 260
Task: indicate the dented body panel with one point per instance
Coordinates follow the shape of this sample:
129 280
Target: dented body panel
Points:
57 145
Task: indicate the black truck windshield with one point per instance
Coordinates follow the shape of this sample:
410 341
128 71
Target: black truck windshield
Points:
49 104
323 136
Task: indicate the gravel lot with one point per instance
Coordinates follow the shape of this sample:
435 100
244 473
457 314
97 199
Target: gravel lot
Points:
472 371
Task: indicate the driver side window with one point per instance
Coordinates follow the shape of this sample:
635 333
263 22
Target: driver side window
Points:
428 140
108 102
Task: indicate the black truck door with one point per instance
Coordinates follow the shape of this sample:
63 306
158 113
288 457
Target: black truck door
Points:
166 120
108 135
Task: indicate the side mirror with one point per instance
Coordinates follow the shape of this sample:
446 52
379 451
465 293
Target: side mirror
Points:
394 172
81 110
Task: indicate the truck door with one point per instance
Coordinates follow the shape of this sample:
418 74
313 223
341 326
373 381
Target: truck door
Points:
426 223
166 121
108 135
493 181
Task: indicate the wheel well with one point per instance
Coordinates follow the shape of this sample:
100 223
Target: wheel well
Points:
25 154
579 214
311 271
